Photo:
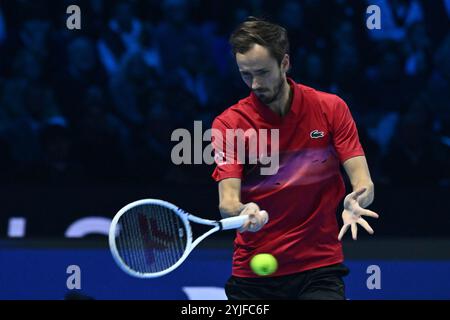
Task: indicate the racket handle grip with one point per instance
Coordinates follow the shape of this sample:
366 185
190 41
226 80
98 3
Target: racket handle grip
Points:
233 222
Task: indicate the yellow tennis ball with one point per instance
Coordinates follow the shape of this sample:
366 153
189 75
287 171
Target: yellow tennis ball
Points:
264 264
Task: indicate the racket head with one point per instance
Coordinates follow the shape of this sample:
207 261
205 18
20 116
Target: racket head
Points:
149 238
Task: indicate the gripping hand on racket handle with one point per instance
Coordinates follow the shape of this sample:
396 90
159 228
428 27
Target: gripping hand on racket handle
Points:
256 218
353 212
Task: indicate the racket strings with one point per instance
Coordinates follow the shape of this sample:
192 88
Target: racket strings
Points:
151 238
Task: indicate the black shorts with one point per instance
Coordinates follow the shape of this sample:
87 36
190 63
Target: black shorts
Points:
323 283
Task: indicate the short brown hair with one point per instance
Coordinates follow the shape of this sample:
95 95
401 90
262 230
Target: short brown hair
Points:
258 31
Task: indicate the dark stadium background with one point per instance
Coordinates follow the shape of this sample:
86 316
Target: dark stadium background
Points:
86 115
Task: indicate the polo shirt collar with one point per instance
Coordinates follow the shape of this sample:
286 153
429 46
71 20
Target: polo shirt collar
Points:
273 117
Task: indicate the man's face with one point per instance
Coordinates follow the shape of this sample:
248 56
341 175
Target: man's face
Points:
262 73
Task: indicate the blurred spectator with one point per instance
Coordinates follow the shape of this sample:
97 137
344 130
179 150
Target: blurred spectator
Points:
175 32
27 105
57 166
311 68
81 71
437 20
193 74
130 89
26 70
417 51
346 67
34 35
387 86
152 149
290 14
18 11
121 37
396 17
100 140
416 156
347 63
2 27
438 88
101 102
95 15
148 48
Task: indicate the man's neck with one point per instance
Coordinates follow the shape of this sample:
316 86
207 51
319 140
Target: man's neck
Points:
282 105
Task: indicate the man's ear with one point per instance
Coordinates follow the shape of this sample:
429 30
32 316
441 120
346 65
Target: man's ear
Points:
286 63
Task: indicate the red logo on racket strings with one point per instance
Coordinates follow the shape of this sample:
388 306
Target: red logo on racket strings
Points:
153 237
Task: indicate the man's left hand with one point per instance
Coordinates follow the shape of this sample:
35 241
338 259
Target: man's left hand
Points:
353 213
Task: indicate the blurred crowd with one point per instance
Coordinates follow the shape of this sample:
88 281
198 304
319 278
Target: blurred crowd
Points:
100 103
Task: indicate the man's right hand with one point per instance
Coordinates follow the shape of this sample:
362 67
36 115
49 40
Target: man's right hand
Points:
256 218
230 205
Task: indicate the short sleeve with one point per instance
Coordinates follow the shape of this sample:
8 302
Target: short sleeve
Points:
344 132
225 155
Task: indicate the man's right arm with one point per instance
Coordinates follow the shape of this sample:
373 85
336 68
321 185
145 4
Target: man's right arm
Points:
230 197
230 205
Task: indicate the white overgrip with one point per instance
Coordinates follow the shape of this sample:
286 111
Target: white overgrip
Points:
233 222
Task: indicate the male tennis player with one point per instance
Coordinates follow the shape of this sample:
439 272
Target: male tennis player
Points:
316 135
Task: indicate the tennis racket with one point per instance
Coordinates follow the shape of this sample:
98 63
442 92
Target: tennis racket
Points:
150 238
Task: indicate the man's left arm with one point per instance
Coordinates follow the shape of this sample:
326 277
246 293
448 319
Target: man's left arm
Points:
361 197
351 155
359 175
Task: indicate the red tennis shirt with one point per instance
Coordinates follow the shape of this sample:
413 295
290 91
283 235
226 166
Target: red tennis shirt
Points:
315 137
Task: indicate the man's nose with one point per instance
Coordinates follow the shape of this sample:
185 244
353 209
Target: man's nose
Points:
255 84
